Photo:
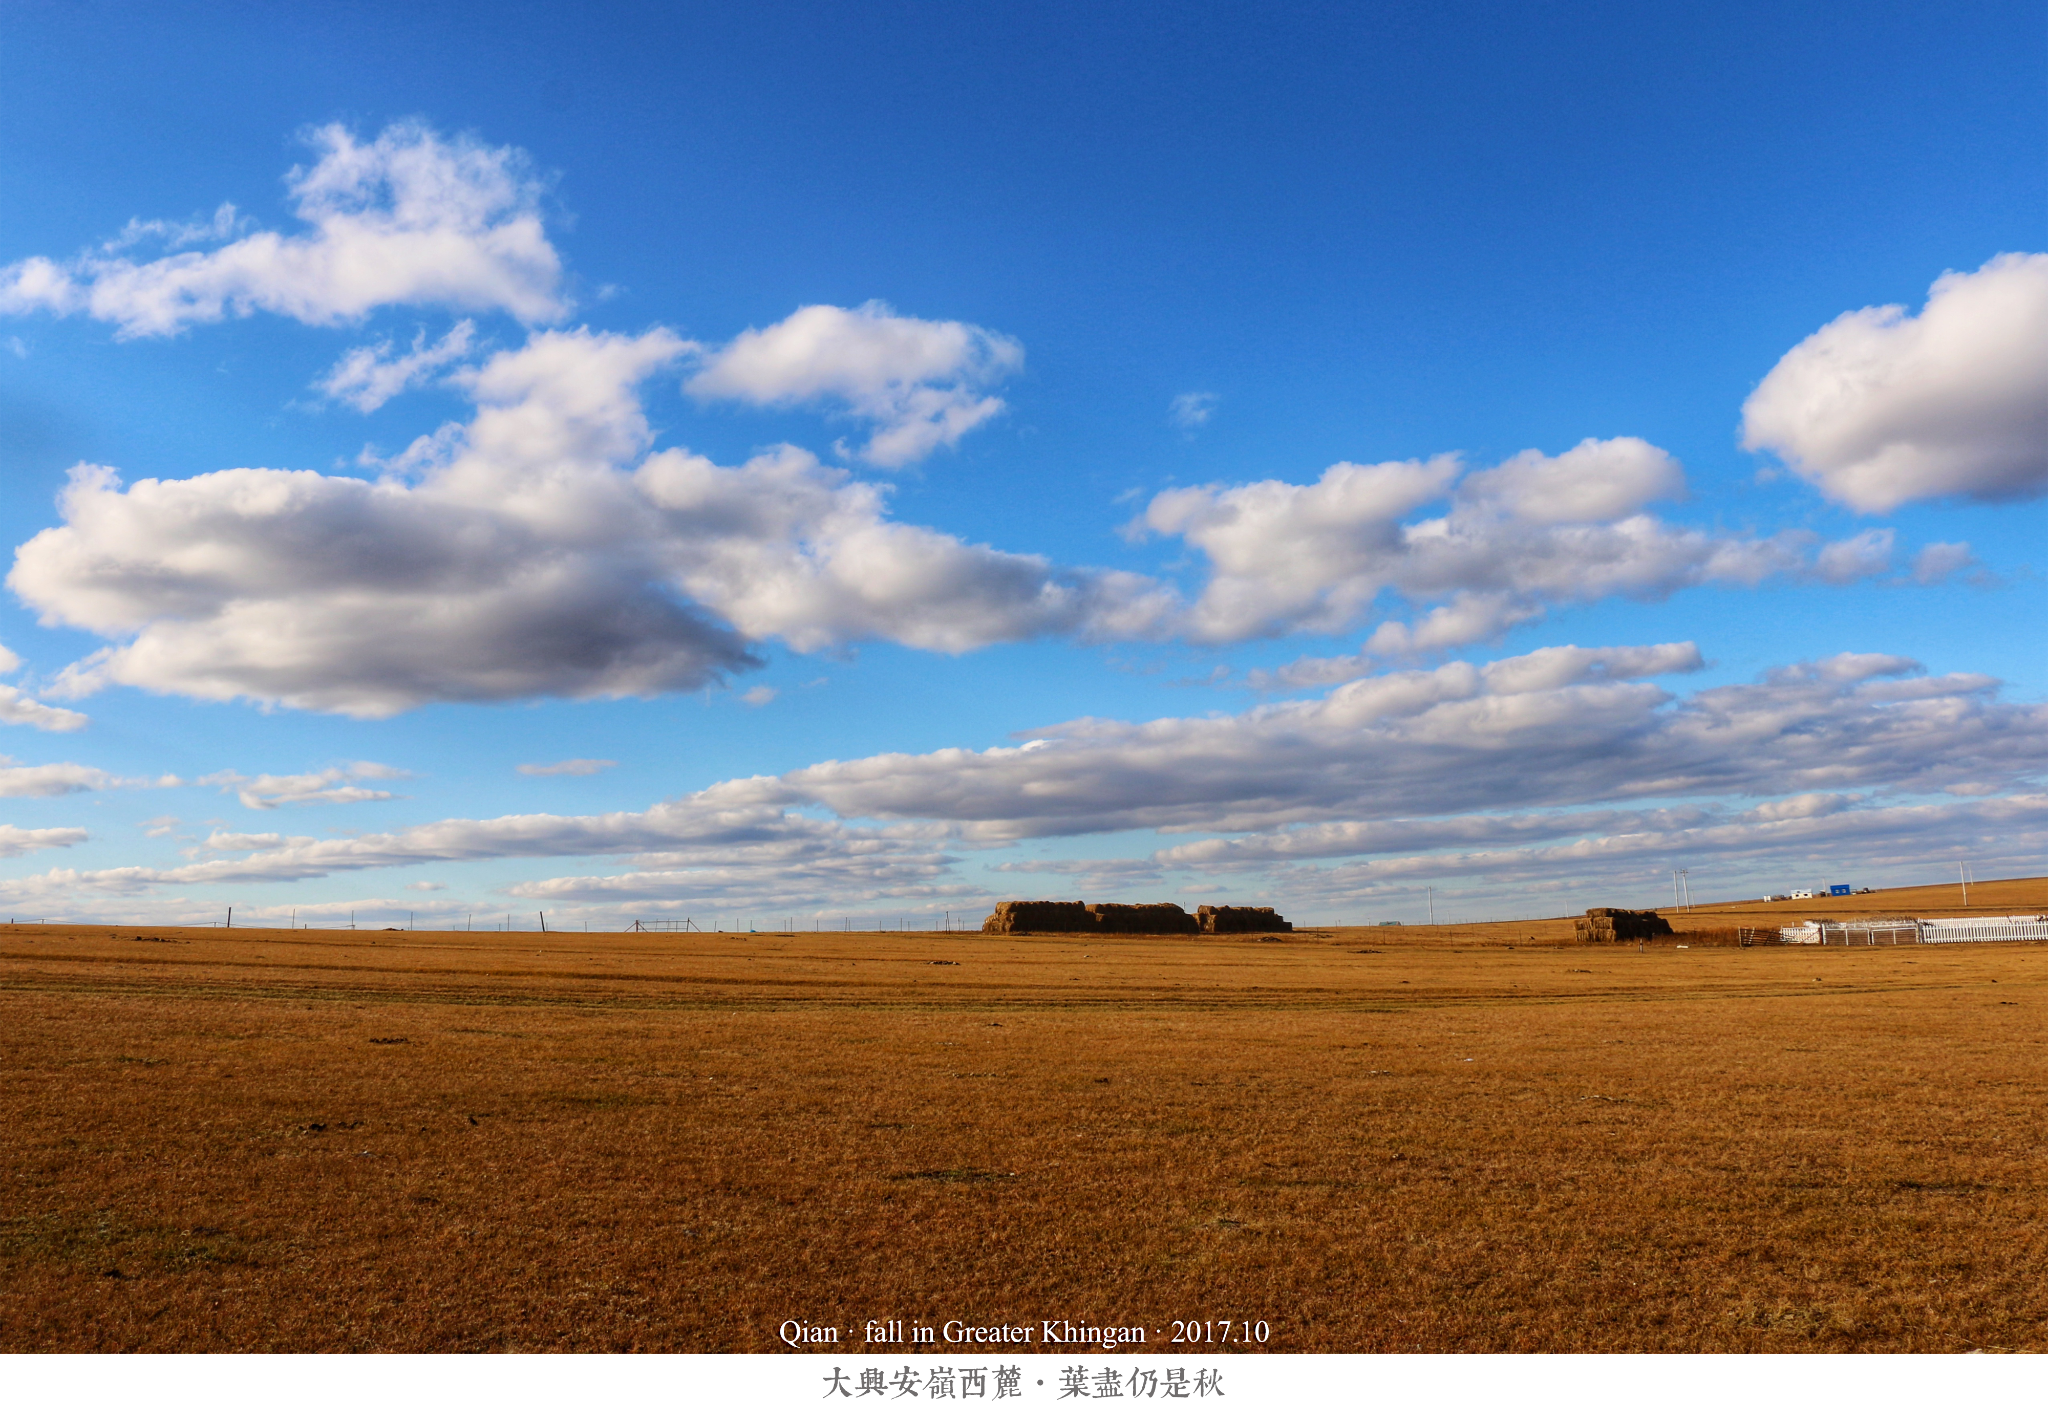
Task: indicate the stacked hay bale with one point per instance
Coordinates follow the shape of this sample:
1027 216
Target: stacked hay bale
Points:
1039 916
1142 918
1233 919
1613 925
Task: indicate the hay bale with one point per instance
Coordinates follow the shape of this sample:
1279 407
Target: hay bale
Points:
1039 916
1231 918
1614 925
1045 916
1142 918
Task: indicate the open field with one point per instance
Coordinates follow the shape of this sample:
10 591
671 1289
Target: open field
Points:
1480 1138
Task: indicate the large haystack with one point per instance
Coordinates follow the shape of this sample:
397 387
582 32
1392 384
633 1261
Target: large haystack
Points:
1613 925
1042 916
1232 919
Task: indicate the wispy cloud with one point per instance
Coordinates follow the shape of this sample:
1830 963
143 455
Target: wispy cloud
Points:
16 842
369 376
66 778
1192 410
568 767
334 786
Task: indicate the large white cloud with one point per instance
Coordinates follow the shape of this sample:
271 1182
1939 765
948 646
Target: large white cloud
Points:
538 550
544 548
921 384
1878 407
408 218
785 547
343 595
1527 534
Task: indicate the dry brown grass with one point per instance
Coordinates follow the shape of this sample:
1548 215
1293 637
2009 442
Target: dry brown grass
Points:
1473 1139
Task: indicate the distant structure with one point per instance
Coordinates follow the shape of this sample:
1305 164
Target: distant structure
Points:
1052 916
1613 925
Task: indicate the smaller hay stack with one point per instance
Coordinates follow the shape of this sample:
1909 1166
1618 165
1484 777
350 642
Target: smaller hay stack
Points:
1233 919
1613 925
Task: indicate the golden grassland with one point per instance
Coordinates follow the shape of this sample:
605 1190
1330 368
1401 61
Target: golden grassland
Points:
1473 1138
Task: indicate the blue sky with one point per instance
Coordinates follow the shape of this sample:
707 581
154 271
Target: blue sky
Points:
865 464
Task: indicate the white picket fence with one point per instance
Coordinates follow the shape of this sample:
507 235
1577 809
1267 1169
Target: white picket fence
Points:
1918 930
1984 930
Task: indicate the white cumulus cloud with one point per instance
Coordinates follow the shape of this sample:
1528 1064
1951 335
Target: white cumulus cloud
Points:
18 709
1514 539
410 217
538 550
921 384
1879 408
